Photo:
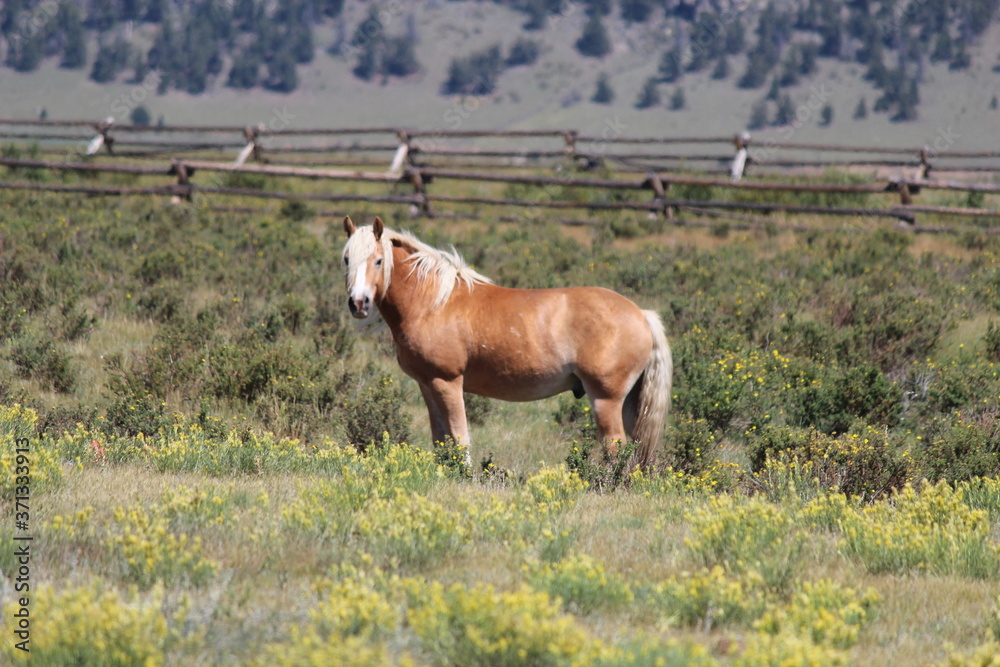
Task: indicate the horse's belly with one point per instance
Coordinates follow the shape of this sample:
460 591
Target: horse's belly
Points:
507 386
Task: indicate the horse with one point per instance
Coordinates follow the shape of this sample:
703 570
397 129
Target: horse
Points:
455 331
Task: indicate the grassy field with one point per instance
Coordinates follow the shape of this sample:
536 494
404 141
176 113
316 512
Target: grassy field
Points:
194 401
553 93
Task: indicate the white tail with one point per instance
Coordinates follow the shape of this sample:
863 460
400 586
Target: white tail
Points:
649 401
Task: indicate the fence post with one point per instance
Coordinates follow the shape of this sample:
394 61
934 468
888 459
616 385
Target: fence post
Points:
252 147
740 160
420 189
659 193
569 136
183 179
102 138
402 153
925 164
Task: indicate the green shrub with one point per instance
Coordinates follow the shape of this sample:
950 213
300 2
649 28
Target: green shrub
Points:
691 445
864 462
377 409
991 342
36 357
832 404
960 447
601 472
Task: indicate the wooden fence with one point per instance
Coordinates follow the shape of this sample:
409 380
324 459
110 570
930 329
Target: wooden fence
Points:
554 163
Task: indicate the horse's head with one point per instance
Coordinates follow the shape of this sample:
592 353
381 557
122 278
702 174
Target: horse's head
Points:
366 266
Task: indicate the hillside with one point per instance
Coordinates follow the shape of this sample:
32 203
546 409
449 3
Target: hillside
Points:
924 72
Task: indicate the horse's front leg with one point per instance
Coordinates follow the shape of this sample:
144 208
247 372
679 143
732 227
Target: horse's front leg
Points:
439 428
448 398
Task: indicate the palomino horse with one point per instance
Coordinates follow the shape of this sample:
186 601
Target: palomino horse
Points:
455 331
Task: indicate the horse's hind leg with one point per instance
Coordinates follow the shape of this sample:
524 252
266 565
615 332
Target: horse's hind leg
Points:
610 427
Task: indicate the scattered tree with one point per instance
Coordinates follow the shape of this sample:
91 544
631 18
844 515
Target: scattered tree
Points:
826 115
603 94
281 74
476 74
785 113
649 96
670 69
523 52
140 116
860 111
721 70
637 11
74 54
594 42
758 115
677 100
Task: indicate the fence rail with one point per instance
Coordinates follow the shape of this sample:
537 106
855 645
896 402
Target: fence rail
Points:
180 152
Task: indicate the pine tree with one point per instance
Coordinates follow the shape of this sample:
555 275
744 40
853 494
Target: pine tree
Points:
603 94
826 115
785 113
860 111
758 115
538 15
140 116
245 72
26 53
677 100
756 71
721 70
961 59
601 7
637 11
942 48
670 69
331 8
649 96
74 54
281 74
400 58
594 42
111 59
301 38
523 52
735 37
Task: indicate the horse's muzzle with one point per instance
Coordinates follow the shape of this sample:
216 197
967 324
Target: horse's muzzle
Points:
359 307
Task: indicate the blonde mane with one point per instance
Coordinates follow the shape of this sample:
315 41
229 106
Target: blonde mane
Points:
444 268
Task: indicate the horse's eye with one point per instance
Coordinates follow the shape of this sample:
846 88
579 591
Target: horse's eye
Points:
347 262
378 262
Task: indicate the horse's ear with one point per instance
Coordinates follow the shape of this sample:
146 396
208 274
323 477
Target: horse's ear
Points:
378 228
349 226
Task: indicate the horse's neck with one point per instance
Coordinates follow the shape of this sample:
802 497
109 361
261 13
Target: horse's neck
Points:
406 297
